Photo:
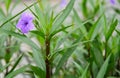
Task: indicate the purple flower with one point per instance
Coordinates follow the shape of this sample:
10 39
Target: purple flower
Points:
63 3
113 1
25 23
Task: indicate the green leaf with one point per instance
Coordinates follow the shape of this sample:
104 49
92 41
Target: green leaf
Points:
41 4
16 63
62 39
79 23
7 3
117 31
18 71
84 8
3 38
36 50
79 67
118 71
105 25
112 28
97 52
103 69
38 72
61 51
67 54
57 31
116 10
38 33
84 74
94 29
94 68
63 16
64 58
40 16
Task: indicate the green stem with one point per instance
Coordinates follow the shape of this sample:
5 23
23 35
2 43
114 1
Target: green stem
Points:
48 68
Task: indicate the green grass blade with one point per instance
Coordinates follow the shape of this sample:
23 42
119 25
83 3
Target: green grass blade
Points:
105 25
85 72
112 28
62 29
16 63
16 72
79 23
84 8
94 29
103 69
79 67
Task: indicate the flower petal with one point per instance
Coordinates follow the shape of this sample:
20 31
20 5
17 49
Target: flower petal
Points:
63 3
25 30
25 23
20 24
112 2
26 16
30 26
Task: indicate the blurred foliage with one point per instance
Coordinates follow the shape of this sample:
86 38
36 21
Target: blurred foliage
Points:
80 40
